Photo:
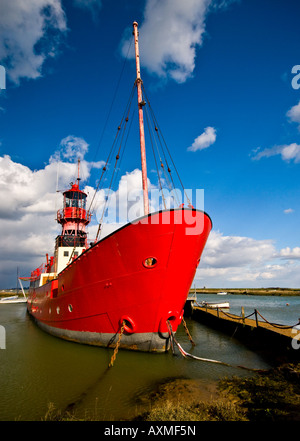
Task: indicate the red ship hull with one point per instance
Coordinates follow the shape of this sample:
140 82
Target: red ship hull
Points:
112 281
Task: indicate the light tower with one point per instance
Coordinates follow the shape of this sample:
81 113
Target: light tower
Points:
73 219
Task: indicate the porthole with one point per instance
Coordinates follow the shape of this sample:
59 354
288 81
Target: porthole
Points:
70 308
58 310
150 262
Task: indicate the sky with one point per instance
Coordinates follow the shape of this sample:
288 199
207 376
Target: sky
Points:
223 78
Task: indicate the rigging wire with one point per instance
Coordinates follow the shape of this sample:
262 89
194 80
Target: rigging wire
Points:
113 100
104 169
123 150
116 162
158 174
159 132
119 138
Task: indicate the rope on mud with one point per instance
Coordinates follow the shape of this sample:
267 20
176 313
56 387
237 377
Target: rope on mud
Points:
187 355
113 358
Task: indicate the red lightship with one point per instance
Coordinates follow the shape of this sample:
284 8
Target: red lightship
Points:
134 279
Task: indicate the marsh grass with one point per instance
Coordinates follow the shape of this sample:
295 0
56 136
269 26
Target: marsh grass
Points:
270 396
197 411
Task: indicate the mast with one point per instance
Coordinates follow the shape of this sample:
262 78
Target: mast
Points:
78 176
141 103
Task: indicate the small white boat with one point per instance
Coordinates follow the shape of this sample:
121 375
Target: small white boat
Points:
13 299
223 293
223 305
8 298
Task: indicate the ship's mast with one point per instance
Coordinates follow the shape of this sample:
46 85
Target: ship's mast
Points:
78 168
141 103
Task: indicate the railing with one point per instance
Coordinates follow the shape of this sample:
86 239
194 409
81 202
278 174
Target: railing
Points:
73 213
242 318
38 271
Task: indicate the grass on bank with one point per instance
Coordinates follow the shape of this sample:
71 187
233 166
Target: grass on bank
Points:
270 396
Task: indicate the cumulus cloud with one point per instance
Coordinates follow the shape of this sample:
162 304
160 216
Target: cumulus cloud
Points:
235 251
170 34
234 261
294 114
288 153
288 211
290 253
206 139
29 202
30 33
73 147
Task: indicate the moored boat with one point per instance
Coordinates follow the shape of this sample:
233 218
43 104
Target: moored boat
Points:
13 299
133 281
214 305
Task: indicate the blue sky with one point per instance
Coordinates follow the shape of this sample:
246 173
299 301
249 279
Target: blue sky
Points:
219 77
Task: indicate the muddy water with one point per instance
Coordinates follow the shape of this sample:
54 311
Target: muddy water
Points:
37 369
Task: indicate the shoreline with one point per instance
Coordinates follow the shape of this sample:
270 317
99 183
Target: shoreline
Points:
281 292
230 291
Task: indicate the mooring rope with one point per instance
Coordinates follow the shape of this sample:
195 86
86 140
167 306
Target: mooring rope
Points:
208 360
113 358
188 332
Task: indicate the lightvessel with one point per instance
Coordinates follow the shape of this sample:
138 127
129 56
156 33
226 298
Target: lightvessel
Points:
135 279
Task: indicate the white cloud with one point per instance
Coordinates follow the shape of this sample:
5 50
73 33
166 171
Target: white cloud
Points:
29 202
289 253
288 153
73 147
288 211
31 32
206 139
235 251
232 261
25 41
169 35
294 114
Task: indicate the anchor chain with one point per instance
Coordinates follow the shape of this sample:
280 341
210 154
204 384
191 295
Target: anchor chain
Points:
113 358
